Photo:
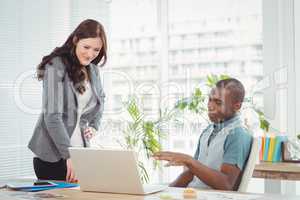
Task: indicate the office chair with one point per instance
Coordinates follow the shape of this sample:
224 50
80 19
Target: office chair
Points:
249 168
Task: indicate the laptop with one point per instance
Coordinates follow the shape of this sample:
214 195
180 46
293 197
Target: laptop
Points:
111 171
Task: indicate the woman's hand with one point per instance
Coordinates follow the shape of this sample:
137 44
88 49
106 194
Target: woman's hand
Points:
70 172
89 132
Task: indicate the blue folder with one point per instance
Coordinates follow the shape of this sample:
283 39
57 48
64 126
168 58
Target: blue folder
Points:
58 185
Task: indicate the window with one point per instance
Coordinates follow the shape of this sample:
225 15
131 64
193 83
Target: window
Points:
30 31
205 39
202 39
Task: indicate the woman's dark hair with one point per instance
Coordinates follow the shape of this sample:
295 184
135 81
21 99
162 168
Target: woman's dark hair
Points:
87 29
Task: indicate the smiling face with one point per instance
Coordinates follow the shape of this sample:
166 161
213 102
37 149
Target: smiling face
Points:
221 105
88 49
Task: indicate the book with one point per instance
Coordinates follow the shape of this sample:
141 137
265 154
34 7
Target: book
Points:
277 149
20 185
39 185
262 148
266 148
271 149
59 184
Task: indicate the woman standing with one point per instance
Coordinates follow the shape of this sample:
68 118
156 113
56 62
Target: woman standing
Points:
73 100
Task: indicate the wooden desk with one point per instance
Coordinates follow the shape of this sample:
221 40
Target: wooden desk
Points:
278 171
174 193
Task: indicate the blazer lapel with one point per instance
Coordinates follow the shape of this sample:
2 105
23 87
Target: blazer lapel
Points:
94 81
70 85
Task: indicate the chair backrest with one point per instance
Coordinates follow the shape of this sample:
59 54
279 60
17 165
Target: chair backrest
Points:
249 168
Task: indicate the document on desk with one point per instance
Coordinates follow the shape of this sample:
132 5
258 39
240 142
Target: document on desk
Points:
228 196
201 195
17 195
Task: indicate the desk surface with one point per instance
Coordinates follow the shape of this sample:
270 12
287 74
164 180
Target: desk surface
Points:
173 194
279 171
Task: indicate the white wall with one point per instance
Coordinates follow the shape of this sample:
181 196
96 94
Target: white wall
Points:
297 71
281 106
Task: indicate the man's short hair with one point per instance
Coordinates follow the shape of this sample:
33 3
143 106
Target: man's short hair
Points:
234 86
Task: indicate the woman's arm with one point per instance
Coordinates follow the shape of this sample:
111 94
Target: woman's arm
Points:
53 95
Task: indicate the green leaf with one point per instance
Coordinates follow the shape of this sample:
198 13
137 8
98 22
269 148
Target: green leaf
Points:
181 104
264 124
260 113
198 93
133 109
224 77
211 80
143 172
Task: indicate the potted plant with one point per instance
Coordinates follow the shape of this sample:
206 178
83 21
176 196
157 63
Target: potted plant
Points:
143 135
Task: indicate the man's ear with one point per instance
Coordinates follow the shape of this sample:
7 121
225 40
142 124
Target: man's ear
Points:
75 40
237 106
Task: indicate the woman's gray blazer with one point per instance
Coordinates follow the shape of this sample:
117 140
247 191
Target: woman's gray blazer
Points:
52 133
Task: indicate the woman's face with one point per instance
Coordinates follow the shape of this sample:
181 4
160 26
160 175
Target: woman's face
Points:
88 49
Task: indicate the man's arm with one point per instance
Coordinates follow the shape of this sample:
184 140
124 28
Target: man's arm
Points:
236 150
183 179
225 179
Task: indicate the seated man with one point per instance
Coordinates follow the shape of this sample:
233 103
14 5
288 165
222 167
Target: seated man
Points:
223 147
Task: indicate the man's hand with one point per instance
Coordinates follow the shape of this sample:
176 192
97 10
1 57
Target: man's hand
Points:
175 159
89 132
70 172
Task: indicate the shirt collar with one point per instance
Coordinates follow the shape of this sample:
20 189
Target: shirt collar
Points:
221 125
